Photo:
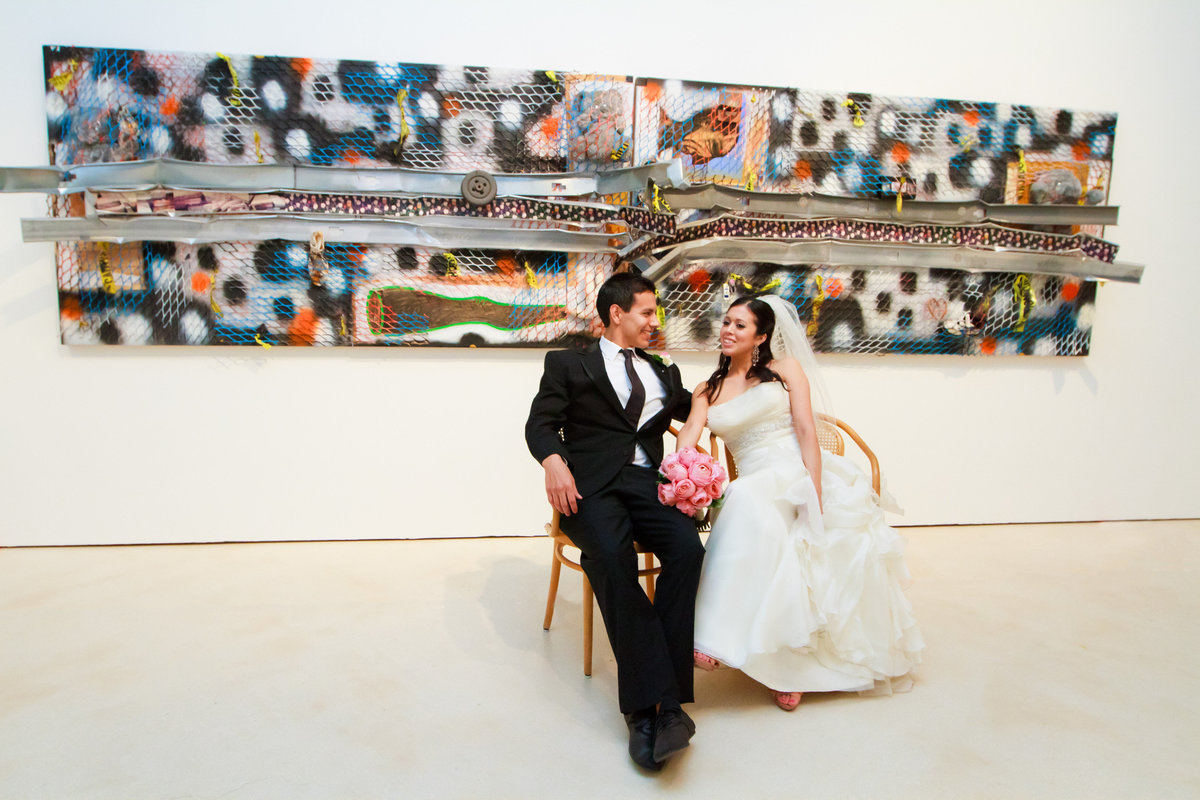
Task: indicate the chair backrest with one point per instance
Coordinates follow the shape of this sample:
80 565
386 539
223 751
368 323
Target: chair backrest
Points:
829 437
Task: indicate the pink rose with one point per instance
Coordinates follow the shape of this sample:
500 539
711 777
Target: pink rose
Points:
701 473
687 456
716 490
719 473
700 498
671 458
674 471
666 494
685 507
684 489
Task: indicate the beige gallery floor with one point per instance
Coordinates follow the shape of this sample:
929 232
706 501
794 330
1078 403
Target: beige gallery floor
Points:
1061 663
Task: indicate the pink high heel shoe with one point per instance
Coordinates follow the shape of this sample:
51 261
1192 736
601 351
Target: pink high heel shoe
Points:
787 700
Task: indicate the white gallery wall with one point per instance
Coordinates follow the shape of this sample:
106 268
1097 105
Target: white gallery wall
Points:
173 444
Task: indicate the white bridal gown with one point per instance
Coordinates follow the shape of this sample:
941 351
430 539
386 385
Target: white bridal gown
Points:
800 601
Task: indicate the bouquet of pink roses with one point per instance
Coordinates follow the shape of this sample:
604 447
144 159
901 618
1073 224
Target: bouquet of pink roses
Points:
690 481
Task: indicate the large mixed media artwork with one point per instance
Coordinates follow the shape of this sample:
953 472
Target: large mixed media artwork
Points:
230 199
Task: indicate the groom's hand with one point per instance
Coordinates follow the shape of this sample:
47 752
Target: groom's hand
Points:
560 485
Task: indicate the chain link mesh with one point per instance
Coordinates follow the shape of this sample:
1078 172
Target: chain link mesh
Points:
280 292
791 140
849 310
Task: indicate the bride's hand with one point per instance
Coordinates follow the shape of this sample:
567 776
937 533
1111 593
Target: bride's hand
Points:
560 486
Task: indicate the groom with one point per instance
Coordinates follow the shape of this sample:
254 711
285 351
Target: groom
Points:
596 426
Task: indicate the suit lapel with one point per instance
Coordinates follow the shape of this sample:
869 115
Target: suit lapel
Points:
593 365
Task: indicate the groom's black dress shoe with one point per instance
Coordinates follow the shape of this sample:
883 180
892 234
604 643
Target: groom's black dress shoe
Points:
672 730
641 738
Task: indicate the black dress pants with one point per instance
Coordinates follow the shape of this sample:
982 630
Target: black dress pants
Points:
652 642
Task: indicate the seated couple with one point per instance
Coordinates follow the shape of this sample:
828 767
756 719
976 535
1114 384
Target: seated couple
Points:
801 585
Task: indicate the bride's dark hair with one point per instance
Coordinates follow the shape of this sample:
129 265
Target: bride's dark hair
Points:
764 323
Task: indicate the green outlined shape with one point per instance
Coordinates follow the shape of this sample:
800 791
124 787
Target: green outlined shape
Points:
550 313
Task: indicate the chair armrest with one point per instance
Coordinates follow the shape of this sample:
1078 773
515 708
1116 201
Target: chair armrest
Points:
675 432
867 451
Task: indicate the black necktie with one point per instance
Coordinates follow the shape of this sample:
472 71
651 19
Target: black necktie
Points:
637 391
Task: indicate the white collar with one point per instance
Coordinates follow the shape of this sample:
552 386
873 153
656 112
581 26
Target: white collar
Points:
611 350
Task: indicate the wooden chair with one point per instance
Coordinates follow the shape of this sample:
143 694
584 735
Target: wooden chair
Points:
562 540
830 432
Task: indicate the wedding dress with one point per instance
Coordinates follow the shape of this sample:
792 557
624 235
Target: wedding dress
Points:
799 600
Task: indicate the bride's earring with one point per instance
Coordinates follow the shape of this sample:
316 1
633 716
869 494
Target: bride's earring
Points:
754 357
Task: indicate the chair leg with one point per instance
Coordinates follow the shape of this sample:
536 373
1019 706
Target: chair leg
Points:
587 626
555 569
650 577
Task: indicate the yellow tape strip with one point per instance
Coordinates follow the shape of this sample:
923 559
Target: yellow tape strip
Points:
235 97
749 287
853 106
60 81
1024 300
401 96
106 276
811 330
212 295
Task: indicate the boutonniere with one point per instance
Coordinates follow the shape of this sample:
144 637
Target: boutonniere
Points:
664 358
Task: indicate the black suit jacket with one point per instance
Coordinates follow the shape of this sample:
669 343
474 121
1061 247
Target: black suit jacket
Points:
597 438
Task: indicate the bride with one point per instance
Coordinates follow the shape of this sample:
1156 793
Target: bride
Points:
802 581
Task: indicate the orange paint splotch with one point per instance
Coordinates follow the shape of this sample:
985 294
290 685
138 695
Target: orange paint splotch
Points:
834 287
652 91
987 345
699 280
550 127
201 281
507 266
352 157
901 153
802 170
70 309
1081 151
452 106
303 330
1070 290
971 118
170 106
302 66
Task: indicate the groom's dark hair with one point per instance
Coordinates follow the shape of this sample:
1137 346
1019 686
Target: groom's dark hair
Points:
619 290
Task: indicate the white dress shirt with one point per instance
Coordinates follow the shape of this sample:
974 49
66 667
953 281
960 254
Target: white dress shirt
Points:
614 365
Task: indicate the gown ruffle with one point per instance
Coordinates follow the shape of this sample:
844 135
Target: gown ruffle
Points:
799 600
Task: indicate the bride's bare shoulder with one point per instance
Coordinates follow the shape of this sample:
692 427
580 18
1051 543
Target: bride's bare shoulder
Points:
790 370
786 364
